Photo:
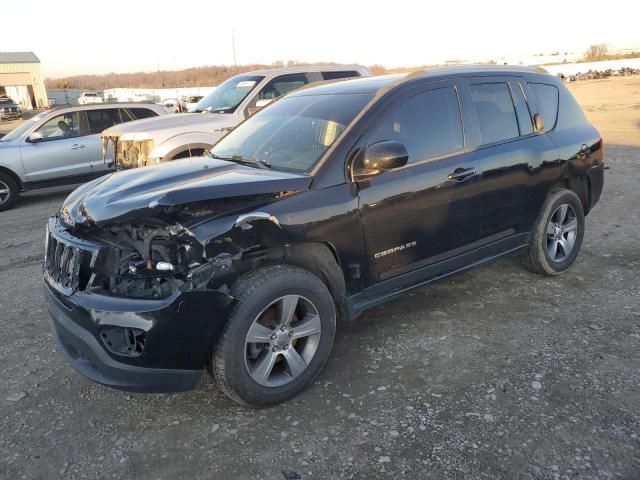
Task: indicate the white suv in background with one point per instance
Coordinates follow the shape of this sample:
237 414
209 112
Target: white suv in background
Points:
156 140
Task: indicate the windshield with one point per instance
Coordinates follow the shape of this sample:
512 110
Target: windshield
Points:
294 132
228 95
18 131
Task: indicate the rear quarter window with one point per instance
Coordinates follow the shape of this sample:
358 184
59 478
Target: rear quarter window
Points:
139 113
547 97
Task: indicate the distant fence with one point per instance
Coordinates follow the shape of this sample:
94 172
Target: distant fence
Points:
63 96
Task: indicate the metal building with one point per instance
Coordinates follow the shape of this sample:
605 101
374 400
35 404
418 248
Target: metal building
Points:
21 79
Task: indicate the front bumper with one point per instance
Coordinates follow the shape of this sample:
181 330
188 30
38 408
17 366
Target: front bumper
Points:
179 334
10 115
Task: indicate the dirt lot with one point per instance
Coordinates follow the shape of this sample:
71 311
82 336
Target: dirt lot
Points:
497 373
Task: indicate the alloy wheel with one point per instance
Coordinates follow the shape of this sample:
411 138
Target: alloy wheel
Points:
562 231
282 340
5 192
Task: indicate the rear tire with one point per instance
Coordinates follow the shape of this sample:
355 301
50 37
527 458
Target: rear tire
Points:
557 235
9 192
277 337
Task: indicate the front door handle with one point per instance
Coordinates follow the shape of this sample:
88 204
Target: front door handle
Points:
460 174
76 146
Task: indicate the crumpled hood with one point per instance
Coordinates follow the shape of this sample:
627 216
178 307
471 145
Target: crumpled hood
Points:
134 193
173 124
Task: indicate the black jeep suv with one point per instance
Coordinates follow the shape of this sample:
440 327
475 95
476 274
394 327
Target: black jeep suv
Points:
334 199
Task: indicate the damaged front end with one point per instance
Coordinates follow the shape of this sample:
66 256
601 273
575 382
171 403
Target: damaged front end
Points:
153 261
131 304
127 153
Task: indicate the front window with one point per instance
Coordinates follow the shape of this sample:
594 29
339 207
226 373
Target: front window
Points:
61 126
293 133
228 95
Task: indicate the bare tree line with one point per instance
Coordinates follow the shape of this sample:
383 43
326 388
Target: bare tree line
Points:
216 74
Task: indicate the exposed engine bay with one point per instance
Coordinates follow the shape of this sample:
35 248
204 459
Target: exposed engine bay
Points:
152 261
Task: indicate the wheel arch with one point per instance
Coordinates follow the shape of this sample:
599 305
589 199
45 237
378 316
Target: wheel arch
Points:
581 186
13 175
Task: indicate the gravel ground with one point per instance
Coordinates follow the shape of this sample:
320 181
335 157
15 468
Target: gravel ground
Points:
497 373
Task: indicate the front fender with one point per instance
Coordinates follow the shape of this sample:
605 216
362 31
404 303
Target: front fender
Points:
177 144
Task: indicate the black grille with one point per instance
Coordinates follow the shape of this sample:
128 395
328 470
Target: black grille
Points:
63 262
67 261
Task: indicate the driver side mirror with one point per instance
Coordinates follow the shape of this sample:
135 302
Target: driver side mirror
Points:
264 102
35 137
259 105
382 156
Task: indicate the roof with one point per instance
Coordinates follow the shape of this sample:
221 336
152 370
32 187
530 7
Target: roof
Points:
308 68
96 106
18 57
379 84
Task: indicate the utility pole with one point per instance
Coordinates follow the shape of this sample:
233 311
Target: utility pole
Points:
233 46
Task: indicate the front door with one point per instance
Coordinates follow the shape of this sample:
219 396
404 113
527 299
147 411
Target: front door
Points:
426 211
62 152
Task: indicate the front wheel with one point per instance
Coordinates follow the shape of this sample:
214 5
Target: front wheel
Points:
277 338
8 192
557 235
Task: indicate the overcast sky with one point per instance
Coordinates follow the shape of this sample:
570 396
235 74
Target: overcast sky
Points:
75 37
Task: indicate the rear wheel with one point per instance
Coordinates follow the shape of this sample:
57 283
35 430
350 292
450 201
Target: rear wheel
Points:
9 192
557 235
277 338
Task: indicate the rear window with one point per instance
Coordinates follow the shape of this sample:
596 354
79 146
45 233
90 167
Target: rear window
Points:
100 120
139 113
547 96
495 112
336 75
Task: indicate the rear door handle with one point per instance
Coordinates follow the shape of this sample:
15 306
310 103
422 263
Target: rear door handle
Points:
460 174
76 146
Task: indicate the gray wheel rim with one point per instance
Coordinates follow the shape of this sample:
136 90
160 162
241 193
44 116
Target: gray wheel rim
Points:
562 231
4 192
282 340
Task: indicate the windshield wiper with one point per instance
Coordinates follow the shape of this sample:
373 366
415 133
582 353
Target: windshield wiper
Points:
244 159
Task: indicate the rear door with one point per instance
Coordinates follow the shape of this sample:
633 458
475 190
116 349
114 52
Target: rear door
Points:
63 151
427 211
514 163
99 120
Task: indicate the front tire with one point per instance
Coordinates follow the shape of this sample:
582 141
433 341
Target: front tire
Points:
9 192
557 235
277 337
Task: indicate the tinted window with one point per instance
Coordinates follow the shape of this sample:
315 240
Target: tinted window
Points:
335 75
284 84
547 96
494 108
61 126
294 132
427 124
100 120
139 113
522 110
